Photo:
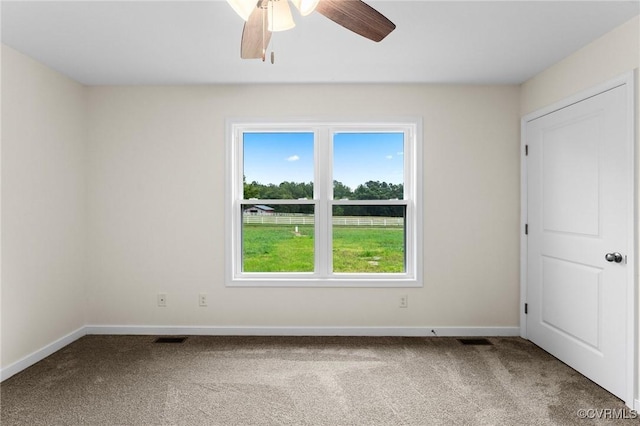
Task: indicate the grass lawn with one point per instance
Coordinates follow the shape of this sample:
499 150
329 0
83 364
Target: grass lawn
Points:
278 248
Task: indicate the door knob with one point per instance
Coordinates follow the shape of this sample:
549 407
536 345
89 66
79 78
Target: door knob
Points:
613 257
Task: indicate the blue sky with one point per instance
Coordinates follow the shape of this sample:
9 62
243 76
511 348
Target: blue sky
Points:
358 157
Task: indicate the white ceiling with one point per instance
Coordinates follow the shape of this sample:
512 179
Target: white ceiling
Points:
198 42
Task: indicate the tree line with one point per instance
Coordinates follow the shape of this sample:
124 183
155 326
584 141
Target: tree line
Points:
371 190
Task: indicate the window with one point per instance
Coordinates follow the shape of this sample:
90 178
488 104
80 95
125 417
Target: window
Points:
323 204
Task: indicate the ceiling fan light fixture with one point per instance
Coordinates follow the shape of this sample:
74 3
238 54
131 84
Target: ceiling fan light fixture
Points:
275 15
244 8
305 6
279 13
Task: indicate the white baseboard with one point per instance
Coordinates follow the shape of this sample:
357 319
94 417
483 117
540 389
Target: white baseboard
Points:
40 354
473 331
303 331
636 405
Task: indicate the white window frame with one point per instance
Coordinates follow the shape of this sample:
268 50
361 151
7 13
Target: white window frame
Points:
324 202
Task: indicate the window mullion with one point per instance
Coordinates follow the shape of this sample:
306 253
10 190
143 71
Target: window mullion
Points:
322 177
328 208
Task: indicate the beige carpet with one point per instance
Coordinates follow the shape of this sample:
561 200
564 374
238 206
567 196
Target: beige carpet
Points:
130 380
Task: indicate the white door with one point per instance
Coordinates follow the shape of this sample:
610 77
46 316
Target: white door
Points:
579 233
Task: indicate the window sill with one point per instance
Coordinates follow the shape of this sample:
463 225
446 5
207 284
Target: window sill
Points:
364 282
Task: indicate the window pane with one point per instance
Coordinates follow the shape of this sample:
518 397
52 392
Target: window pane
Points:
278 238
369 239
368 166
278 165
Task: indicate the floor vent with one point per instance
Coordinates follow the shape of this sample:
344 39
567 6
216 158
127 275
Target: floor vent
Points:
170 340
475 342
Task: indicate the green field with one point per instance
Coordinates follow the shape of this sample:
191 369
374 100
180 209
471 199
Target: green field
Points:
278 248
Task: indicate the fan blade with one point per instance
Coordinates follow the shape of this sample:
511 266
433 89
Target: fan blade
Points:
358 17
255 35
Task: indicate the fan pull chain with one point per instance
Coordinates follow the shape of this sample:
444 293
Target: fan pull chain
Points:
273 25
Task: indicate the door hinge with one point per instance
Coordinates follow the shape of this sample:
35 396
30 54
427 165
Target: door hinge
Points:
526 150
526 308
526 229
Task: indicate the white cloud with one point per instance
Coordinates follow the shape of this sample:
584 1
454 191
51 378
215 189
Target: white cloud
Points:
389 157
293 158
399 153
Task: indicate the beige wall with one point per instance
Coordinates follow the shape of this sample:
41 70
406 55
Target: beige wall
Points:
615 53
156 174
43 206
611 55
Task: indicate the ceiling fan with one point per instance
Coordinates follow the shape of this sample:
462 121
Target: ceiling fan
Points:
266 16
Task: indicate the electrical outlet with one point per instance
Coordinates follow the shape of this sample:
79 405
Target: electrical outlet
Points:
202 299
162 299
404 301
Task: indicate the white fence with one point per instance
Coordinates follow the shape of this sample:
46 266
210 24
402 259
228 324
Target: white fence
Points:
337 220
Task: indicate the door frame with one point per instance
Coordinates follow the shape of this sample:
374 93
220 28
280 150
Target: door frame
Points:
630 80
